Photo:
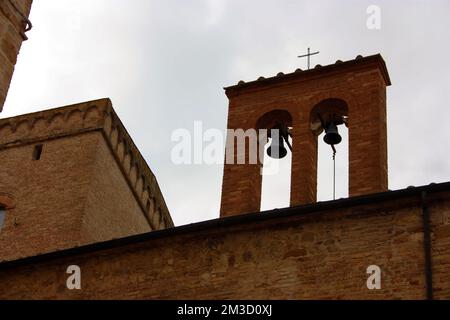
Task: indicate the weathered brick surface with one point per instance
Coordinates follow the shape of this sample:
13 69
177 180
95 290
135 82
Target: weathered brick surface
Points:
49 195
440 221
90 184
110 209
315 255
11 30
361 83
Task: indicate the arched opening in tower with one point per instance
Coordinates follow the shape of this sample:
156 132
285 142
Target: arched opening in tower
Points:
276 181
276 166
330 117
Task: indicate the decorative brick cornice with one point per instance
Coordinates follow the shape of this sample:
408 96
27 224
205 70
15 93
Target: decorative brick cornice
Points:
97 115
360 62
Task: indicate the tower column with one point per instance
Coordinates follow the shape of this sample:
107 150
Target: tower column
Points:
242 182
368 171
242 185
304 164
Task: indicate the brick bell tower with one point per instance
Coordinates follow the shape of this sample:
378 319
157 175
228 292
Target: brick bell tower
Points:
354 89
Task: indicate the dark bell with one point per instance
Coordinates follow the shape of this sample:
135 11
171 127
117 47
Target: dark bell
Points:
332 135
277 149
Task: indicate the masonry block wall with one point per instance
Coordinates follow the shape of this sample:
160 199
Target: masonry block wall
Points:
360 83
311 252
90 183
11 38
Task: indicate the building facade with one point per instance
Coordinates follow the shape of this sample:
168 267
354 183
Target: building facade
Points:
76 192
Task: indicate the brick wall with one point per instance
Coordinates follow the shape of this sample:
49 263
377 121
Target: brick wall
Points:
360 83
110 210
440 224
11 37
314 252
75 194
90 184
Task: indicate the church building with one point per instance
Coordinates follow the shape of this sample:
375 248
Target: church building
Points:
76 191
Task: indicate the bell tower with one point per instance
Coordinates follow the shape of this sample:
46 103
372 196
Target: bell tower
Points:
308 102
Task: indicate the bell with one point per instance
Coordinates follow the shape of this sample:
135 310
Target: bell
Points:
277 149
332 135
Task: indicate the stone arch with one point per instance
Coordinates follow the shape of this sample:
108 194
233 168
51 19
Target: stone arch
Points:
114 137
140 185
20 129
23 126
155 216
6 131
107 127
325 109
120 150
91 115
127 162
145 195
56 122
339 96
75 117
133 175
336 110
268 120
348 97
39 125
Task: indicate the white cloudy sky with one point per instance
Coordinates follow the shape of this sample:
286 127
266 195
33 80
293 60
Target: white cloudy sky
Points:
164 63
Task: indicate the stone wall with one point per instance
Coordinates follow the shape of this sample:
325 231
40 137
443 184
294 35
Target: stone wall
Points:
319 251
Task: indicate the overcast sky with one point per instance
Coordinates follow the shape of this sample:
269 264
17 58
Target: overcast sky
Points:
164 64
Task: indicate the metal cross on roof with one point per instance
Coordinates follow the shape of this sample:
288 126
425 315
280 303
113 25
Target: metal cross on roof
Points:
309 54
